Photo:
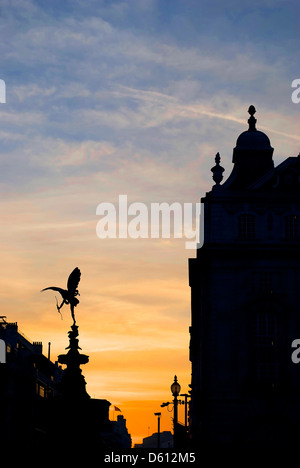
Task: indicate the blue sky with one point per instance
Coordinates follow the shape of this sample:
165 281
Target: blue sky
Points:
127 97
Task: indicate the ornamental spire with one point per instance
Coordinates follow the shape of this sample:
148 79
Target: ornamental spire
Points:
252 119
217 170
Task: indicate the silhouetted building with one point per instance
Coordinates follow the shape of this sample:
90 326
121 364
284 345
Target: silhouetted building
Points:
245 296
27 380
118 435
166 441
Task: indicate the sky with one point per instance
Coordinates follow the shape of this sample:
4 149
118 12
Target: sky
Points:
132 97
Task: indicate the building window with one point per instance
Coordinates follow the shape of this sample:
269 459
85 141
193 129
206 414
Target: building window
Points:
292 227
246 227
270 222
40 390
266 282
267 349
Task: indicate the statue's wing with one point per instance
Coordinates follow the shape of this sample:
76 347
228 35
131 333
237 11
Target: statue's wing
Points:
73 280
60 290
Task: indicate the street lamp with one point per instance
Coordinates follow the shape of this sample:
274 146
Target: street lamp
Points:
175 389
158 428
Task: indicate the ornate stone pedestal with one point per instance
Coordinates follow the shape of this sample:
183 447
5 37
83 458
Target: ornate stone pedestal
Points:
73 382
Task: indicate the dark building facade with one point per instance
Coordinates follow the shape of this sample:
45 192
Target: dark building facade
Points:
28 382
245 296
151 442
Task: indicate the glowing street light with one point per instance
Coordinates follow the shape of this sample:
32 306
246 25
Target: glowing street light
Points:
175 389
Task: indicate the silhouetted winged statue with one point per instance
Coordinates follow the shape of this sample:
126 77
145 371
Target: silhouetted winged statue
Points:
69 295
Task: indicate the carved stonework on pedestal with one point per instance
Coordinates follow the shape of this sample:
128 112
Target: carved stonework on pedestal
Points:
73 382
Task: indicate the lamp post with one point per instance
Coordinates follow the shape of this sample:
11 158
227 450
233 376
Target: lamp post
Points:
158 428
175 389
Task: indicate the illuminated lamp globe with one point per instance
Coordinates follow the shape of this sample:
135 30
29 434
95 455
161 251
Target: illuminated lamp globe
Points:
175 387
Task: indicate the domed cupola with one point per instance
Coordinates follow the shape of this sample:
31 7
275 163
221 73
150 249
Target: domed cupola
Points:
252 156
252 139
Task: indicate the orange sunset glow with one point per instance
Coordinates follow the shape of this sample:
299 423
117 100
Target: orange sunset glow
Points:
134 329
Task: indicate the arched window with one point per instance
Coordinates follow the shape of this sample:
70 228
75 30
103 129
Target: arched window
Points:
292 227
246 226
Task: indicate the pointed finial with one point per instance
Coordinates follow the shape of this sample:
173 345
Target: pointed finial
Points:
252 119
217 170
